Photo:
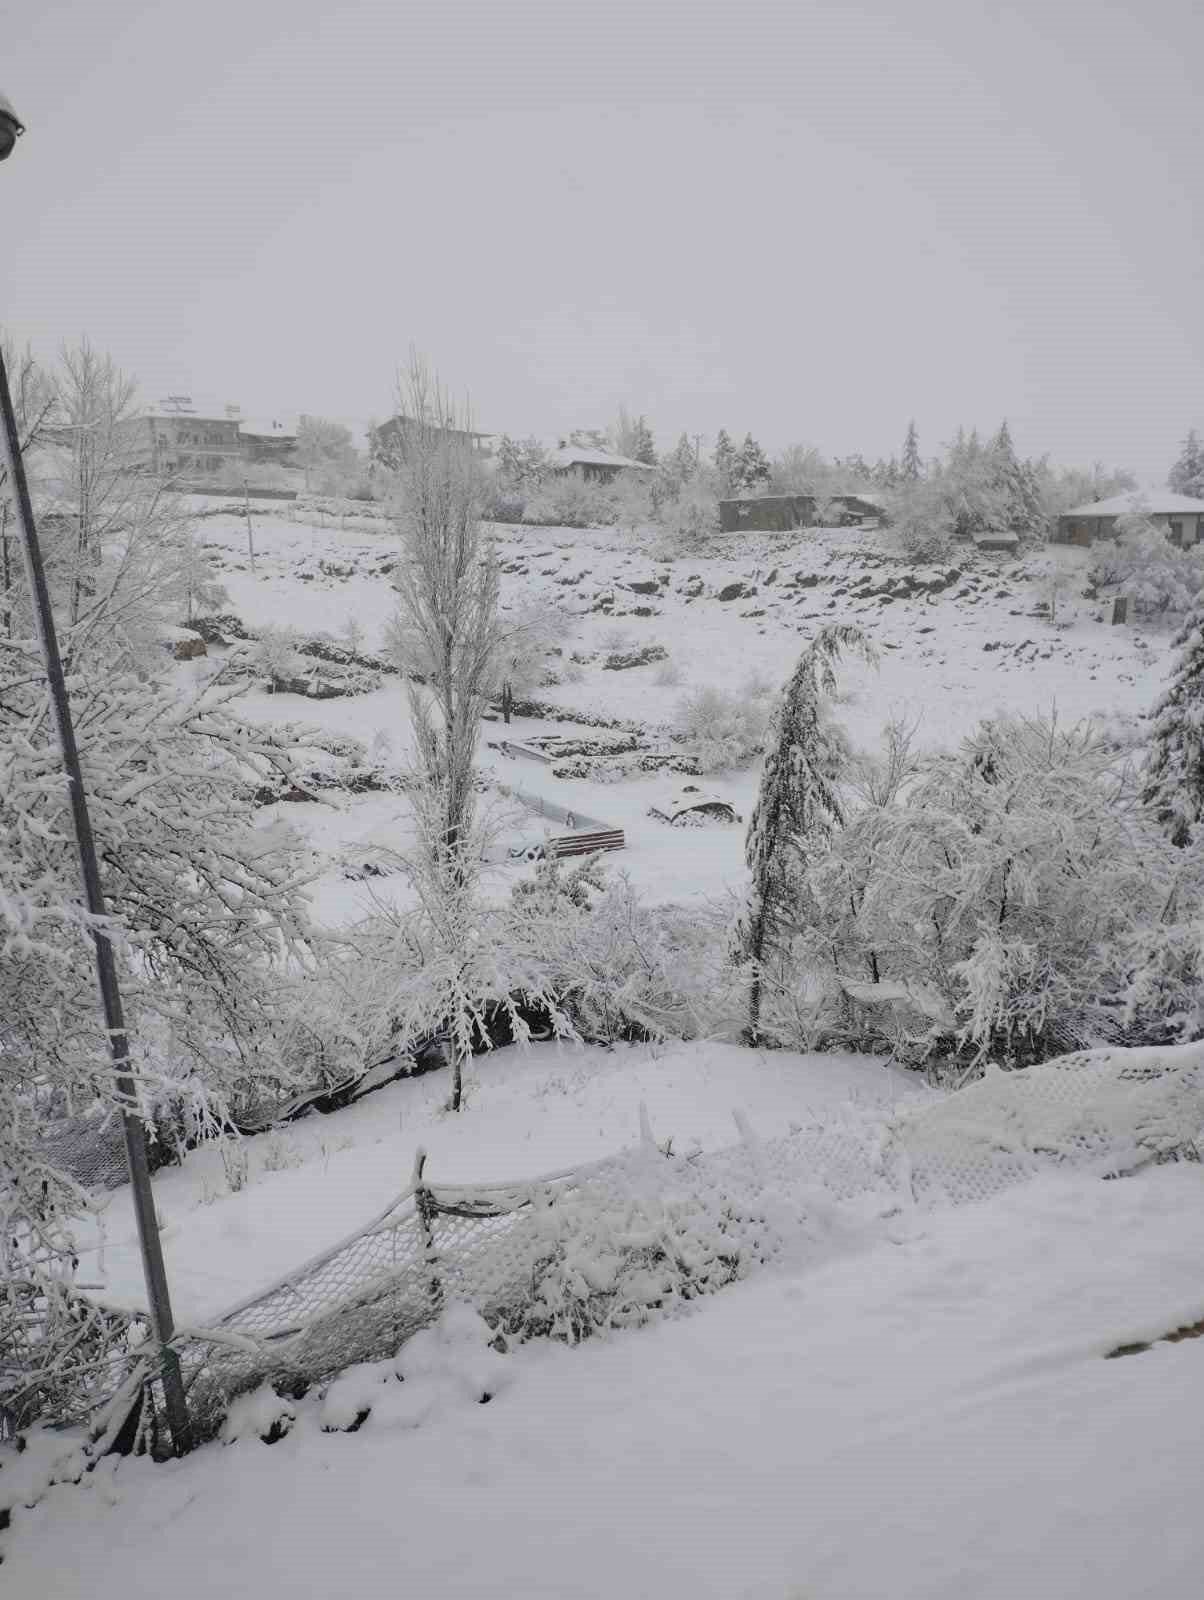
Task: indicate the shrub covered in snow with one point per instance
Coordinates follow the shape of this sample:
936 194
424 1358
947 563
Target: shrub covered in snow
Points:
451 1364
1014 899
727 728
1159 576
570 502
636 1238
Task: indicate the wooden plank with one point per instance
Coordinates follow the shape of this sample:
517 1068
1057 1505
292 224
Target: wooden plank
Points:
581 844
511 747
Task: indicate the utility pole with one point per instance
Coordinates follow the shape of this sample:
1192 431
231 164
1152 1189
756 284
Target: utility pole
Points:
154 1271
697 450
246 505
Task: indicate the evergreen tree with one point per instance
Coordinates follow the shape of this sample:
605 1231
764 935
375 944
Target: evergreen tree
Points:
725 461
643 446
797 809
1016 485
1187 474
751 467
1174 770
911 469
681 463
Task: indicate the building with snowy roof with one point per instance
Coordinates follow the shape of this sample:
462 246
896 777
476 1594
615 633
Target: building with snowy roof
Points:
1180 517
177 438
595 466
388 441
271 438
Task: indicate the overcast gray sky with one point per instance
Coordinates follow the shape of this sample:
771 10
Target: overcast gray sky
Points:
809 220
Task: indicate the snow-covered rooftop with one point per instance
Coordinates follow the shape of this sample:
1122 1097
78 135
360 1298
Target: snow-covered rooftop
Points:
1159 502
570 455
283 425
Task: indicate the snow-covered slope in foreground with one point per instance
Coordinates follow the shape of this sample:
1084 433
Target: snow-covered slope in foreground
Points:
932 1419
528 1111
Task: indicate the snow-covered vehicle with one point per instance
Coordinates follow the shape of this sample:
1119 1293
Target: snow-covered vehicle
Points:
691 806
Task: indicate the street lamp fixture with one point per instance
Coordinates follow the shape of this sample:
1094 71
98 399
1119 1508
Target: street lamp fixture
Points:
11 128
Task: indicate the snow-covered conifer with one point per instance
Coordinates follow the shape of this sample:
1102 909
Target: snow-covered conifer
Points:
724 458
1187 474
751 468
911 468
797 810
1016 485
681 463
1174 773
643 445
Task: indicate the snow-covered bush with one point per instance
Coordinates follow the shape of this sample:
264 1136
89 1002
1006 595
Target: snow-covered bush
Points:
631 501
504 505
623 969
690 518
262 1414
451 1364
275 654
569 501
1158 575
727 728
1015 899
637 1238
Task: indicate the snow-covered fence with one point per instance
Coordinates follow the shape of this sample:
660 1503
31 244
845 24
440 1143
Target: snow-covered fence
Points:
588 833
614 1241
569 816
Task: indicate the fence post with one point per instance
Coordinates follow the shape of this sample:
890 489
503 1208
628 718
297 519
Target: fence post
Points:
424 1203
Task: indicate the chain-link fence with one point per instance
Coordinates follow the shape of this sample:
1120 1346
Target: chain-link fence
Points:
713 1215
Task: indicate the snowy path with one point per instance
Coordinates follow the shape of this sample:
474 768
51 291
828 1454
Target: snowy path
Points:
931 1419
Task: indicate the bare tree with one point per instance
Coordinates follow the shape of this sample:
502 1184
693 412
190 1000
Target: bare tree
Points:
33 403
447 589
107 510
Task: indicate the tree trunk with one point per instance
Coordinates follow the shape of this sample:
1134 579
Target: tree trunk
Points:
457 1077
756 949
5 570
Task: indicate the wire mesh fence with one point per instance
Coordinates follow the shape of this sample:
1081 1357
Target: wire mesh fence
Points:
690 1223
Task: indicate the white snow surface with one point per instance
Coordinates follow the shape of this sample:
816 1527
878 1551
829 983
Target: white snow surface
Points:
528 1112
929 1419
1158 502
948 657
919 1409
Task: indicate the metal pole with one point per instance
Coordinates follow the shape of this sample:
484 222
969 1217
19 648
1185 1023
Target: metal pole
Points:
106 969
246 506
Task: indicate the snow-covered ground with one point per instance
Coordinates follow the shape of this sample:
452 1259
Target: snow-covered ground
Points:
956 643
925 1411
931 1418
527 1112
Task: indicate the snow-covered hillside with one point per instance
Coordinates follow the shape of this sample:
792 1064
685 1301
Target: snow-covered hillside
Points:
955 643
912 1402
